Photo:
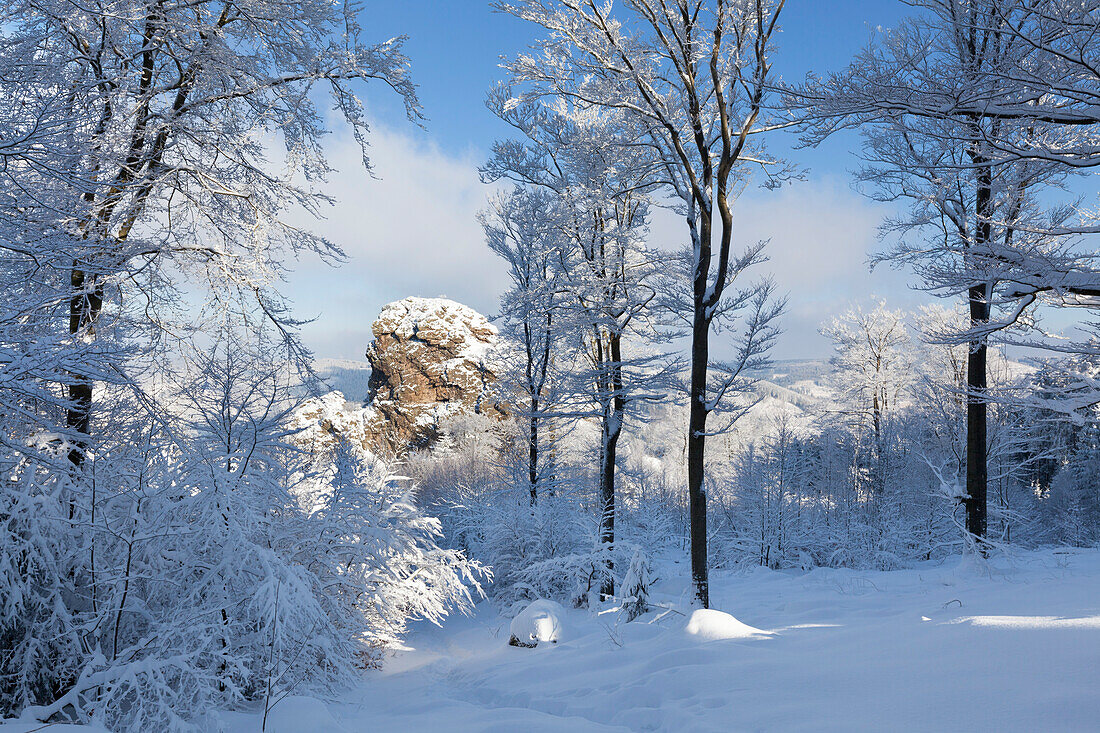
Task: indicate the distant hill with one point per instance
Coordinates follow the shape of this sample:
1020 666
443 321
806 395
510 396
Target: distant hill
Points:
791 371
348 376
795 395
798 383
803 383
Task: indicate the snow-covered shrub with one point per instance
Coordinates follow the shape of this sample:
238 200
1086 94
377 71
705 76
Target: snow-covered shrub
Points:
470 479
1072 508
376 552
543 551
823 497
40 639
635 588
546 550
212 560
456 479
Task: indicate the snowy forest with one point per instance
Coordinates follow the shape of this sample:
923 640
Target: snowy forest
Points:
607 503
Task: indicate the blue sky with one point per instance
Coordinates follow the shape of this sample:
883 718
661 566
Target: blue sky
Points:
412 231
456 45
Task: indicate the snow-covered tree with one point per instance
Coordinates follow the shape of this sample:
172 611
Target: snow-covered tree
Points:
635 590
158 120
693 75
873 369
136 170
873 363
985 234
520 228
1046 79
585 158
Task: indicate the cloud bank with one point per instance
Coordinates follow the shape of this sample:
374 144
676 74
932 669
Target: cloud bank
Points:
413 231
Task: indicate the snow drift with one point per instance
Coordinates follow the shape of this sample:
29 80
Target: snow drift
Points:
541 621
706 624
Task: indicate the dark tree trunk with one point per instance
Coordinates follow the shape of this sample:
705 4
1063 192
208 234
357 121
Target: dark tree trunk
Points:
85 304
614 410
607 503
977 476
696 445
533 452
536 373
876 416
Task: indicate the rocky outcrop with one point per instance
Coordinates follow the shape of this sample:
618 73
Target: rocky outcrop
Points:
317 424
319 420
429 360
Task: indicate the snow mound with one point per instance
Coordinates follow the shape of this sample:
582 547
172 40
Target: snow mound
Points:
706 624
540 621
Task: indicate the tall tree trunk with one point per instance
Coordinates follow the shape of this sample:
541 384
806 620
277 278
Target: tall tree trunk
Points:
977 476
876 415
614 409
85 304
86 301
977 473
533 451
610 439
696 445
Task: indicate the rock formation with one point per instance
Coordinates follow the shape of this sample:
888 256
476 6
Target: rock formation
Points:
318 421
429 360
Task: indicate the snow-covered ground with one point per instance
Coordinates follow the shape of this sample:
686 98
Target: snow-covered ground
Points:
1011 645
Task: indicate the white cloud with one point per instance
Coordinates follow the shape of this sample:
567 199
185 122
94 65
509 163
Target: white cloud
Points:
410 231
820 234
413 231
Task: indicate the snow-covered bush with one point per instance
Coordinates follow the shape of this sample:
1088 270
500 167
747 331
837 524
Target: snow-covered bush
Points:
635 587
376 554
818 498
1072 506
469 481
40 639
457 478
209 560
542 551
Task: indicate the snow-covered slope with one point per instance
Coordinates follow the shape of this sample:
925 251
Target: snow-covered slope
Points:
1012 645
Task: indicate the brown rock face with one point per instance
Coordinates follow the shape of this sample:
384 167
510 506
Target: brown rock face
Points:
428 362
319 420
